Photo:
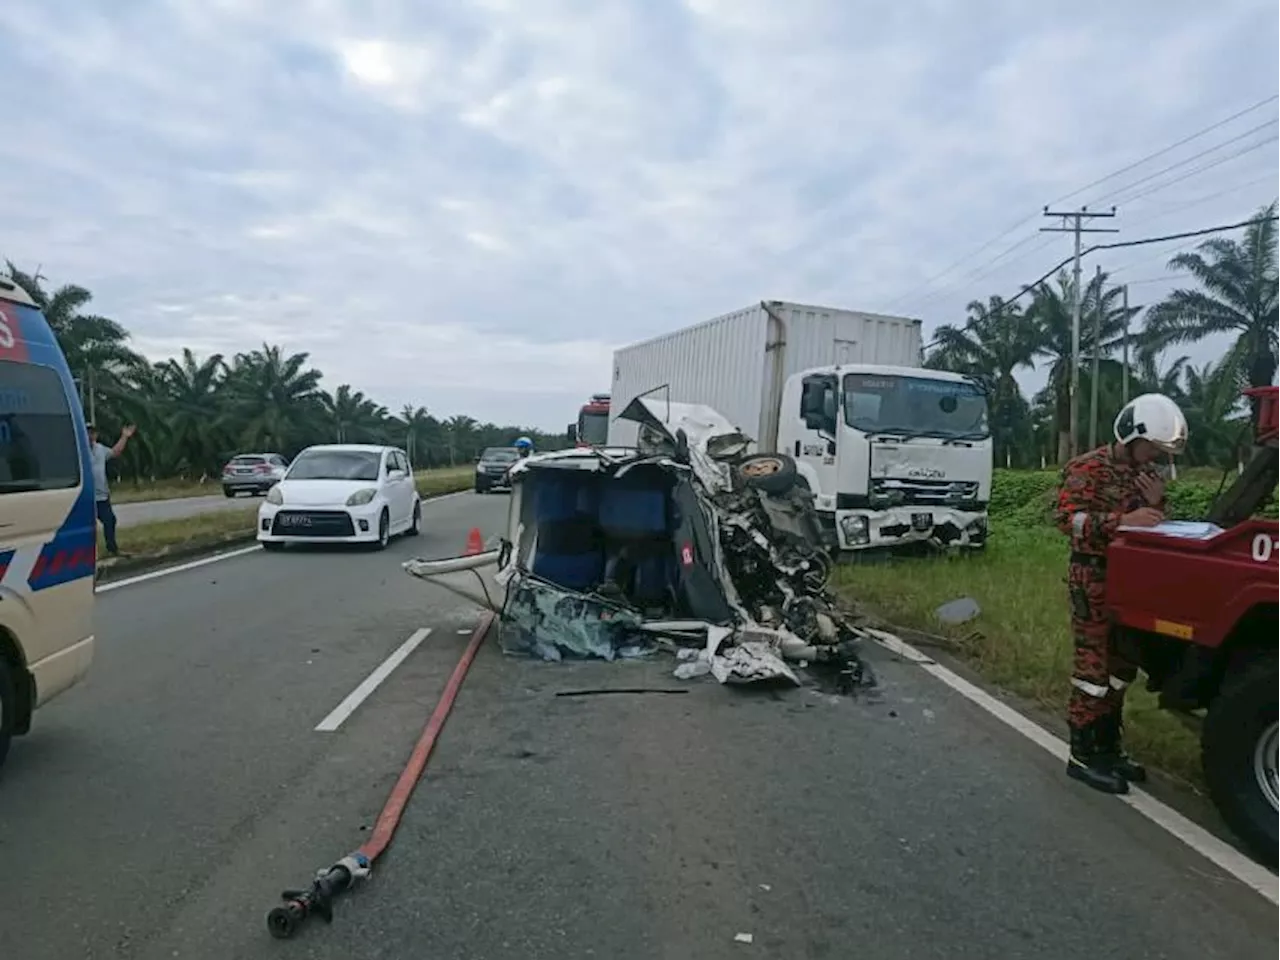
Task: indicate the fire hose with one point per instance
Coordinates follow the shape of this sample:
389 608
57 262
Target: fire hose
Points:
284 920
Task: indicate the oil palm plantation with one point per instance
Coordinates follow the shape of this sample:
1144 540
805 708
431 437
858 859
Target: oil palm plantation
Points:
1235 295
1050 313
994 342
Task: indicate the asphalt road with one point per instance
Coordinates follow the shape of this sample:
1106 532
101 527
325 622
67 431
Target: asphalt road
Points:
158 810
146 511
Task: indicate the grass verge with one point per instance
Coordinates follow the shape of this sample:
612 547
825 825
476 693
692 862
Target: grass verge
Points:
1021 642
150 544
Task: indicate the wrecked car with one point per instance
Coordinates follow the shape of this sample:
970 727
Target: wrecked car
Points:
685 542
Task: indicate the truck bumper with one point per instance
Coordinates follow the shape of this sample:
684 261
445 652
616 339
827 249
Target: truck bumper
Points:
899 526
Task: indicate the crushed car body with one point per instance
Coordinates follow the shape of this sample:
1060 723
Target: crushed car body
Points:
683 542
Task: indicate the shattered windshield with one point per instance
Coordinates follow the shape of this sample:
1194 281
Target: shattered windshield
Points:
921 406
593 428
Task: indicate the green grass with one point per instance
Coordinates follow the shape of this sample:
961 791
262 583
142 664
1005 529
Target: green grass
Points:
210 530
1021 641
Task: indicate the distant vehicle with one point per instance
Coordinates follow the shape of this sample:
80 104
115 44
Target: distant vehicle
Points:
492 467
342 493
253 473
592 427
48 523
893 453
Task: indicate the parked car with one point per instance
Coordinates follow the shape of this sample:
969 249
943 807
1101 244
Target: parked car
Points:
492 469
254 473
342 493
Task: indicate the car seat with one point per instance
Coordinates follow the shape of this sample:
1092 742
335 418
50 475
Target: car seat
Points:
568 550
635 520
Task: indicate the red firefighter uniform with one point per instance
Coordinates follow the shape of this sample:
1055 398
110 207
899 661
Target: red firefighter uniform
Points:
1097 489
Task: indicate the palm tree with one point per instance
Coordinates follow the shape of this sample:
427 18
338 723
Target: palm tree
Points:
197 421
994 341
416 424
95 346
461 432
1050 312
277 399
1238 283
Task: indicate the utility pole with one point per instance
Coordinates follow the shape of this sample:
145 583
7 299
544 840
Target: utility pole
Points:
1124 374
1078 228
1093 379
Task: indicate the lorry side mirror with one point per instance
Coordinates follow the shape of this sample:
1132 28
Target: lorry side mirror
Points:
571 432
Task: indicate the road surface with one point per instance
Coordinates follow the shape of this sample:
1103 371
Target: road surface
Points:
147 511
157 810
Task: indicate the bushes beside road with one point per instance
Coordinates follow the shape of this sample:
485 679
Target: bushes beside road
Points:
1021 642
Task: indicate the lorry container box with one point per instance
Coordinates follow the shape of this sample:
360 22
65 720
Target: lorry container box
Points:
738 362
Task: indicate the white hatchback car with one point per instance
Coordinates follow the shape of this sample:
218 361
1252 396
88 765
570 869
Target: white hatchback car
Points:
342 493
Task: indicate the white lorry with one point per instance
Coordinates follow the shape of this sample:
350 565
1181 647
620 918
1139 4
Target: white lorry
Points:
893 453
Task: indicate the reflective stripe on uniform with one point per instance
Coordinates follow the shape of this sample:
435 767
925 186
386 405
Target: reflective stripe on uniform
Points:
1092 689
1078 520
1118 684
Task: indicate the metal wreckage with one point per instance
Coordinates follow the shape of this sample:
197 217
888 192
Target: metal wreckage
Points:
684 543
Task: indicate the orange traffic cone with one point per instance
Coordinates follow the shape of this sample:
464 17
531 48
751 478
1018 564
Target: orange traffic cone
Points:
475 542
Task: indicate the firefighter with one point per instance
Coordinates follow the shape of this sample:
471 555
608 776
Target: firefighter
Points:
1116 485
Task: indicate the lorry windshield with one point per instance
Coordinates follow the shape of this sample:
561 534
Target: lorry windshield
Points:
593 429
920 406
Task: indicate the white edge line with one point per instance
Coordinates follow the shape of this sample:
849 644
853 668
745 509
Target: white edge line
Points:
370 683
217 557
1223 855
177 568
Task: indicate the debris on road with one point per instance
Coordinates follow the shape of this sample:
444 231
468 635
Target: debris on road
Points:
743 938
685 544
958 611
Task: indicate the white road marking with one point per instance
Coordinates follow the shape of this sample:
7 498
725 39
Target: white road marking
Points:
1225 856
218 557
177 568
370 683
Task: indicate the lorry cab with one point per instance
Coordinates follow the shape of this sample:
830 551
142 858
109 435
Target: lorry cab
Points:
893 455
48 528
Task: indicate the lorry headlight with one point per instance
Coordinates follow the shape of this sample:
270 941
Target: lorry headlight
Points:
275 497
855 529
361 497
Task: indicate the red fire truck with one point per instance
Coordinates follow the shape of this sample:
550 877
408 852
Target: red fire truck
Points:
592 428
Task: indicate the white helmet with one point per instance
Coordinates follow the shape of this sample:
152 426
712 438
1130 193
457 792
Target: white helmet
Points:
1155 418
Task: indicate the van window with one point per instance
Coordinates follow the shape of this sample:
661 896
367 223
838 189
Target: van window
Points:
38 442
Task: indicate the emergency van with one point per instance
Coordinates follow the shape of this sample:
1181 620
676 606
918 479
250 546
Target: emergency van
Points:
48 527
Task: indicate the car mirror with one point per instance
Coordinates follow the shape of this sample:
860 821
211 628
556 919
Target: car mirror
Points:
396 474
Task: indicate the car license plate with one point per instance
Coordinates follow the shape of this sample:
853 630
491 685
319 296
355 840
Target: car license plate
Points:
922 521
295 521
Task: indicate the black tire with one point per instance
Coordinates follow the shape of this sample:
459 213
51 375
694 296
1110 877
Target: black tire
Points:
228 492
384 531
8 707
773 473
272 545
1238 721
415 527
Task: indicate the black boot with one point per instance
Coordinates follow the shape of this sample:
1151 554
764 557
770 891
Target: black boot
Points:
1091 763
1112 732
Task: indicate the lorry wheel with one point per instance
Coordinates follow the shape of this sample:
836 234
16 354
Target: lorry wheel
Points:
773 473
8 708
1239 755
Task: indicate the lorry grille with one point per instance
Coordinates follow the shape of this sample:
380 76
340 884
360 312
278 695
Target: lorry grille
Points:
891 491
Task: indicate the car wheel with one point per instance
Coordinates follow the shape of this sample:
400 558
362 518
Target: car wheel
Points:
273 545
8 708
415 527
228 492
384 531
773 473
1238 746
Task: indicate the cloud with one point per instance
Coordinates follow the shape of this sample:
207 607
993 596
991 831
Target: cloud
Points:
468 207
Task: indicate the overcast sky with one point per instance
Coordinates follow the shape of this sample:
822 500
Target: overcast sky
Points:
468 205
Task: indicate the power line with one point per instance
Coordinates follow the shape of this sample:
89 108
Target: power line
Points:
909 295
1173 146
1185 161
1200 169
